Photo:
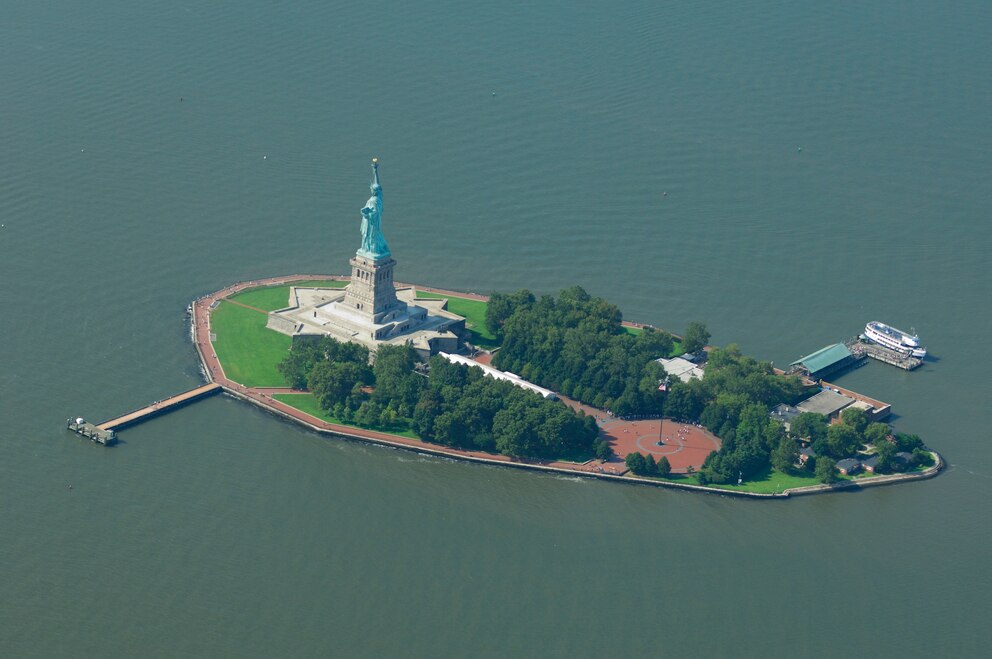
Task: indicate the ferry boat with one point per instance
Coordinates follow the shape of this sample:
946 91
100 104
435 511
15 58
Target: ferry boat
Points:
894 339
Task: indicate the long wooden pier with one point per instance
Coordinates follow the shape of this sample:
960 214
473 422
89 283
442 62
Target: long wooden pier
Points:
106 433
160 406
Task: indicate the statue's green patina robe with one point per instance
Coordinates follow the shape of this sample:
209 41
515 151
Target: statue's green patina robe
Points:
373 242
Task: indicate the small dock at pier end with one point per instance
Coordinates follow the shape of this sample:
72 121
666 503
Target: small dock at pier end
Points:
106 433
80 426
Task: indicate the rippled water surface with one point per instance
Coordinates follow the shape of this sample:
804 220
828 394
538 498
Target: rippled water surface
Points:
783 171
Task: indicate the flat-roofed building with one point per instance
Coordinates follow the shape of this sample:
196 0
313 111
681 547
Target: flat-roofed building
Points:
828 403
876 409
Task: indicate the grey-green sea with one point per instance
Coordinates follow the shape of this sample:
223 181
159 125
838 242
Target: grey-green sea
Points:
784 172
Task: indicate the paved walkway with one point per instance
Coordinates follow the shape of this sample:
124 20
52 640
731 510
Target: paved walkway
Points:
678 439
263 395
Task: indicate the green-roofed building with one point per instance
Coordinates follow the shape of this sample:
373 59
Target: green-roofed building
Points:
825 361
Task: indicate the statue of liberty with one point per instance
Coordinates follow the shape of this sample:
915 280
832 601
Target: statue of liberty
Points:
373 242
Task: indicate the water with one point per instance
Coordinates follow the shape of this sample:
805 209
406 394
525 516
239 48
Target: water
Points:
522 144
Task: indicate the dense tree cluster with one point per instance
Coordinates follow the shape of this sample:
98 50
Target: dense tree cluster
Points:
575 344
644 465
296 367
732 401
454 405
463 408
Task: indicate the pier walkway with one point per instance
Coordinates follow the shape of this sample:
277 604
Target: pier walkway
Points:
883 354
160 406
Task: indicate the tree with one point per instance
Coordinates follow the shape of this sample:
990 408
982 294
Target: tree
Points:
877 433
825 472
604 451
664 467
502 305
635 462
685 400
449 430
650 466
333 382
908 442
885 451
395 378
695 338
810 426
922 457
428 408
855 417
785 455
842 440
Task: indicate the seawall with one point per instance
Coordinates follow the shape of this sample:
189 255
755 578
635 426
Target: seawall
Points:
213 372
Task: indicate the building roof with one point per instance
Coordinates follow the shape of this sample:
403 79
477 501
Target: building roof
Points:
871 462
904 455
808 452
862 405
682 369
497 374
847 464
824 358
826 403
784 413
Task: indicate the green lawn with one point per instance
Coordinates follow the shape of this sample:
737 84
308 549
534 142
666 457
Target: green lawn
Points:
684 479
772 481
248 351
308 403
270 298
474 312
319 283
676 344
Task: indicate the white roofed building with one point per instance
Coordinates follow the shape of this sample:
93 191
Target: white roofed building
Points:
497 374
680 368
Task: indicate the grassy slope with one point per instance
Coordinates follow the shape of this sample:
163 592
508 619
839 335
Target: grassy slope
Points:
267 299
308 403
474 312
318 283
772 481
247 350
270 298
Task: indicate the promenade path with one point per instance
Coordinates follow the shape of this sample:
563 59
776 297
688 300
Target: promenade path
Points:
683 444
263 396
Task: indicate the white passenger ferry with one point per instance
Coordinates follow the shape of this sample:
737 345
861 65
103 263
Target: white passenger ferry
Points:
894 339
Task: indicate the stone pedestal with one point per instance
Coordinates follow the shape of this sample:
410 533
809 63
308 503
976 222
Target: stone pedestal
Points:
371 292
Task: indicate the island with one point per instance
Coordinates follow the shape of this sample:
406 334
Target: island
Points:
553 383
